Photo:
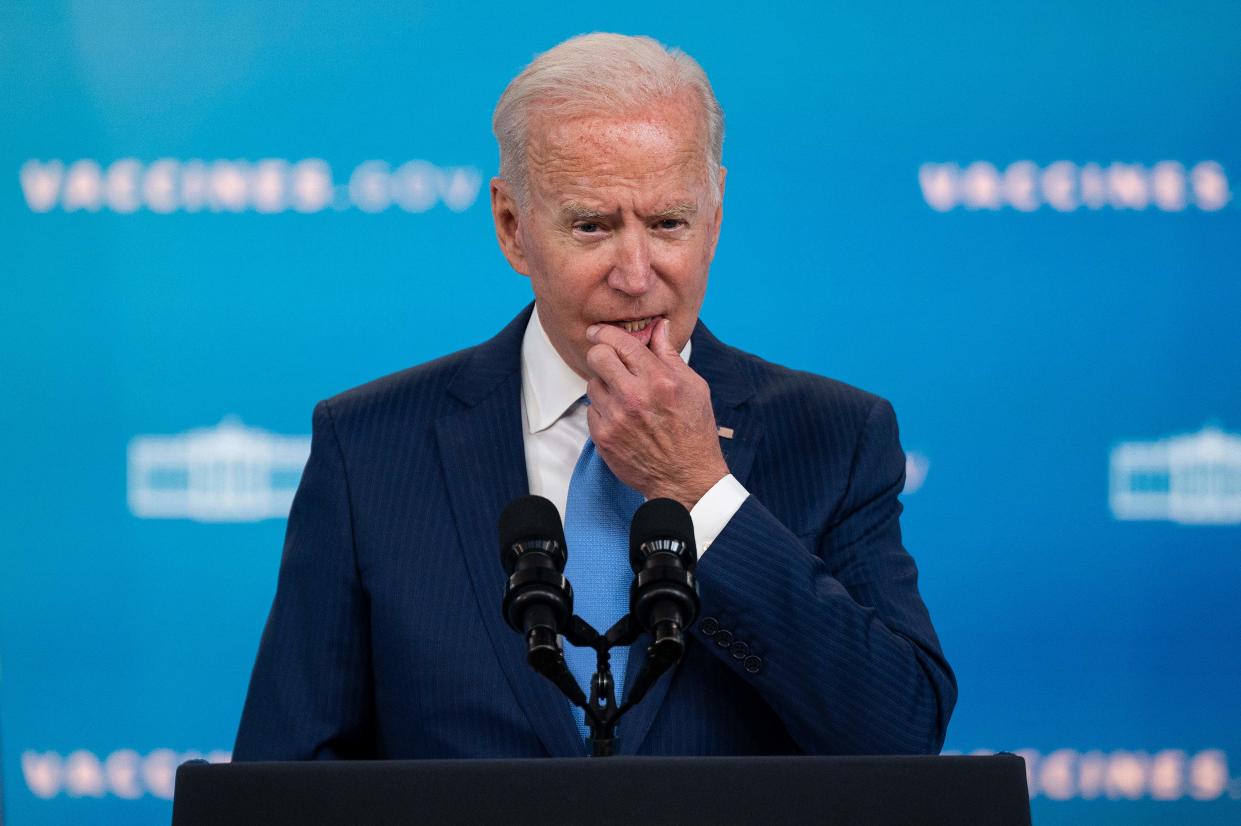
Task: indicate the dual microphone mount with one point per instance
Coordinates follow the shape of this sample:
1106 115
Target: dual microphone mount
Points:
538 603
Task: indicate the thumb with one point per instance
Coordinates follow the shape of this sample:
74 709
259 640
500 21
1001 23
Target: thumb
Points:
661 343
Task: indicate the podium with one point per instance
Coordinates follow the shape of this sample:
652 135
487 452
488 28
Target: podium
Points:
616 790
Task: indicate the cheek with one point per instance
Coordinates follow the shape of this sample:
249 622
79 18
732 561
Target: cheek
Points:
691 265
535 250
575 275
566 286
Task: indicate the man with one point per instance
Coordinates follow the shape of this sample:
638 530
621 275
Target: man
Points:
385 638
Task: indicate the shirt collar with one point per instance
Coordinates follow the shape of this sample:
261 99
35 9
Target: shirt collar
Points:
549 387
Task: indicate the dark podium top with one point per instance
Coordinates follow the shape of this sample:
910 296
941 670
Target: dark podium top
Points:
712 791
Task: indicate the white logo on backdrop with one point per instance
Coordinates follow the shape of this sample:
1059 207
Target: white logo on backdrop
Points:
124 773
1066 186
227 473
268 185
1169 774
917 465
1194 479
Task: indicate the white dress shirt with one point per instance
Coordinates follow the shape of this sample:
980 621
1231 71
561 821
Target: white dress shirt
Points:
555 431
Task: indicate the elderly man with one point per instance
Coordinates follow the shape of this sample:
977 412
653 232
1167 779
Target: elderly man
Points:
385 638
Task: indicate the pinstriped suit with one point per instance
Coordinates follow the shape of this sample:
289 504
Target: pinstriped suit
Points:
385 638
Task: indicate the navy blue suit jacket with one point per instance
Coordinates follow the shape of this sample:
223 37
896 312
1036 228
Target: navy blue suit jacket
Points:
385 639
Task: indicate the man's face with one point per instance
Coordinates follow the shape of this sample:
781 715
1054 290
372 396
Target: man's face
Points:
619 227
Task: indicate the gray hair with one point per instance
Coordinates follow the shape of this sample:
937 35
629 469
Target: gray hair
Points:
600 73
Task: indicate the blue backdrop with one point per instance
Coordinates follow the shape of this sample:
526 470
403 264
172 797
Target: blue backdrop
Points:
1018 224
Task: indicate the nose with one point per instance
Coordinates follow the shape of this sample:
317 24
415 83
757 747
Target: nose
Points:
631 271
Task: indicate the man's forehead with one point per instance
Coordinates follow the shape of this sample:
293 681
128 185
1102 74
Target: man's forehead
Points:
661 134
604 144
652 162
681 114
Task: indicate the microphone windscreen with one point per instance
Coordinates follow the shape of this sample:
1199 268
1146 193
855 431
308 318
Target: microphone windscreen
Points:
530 517
661 519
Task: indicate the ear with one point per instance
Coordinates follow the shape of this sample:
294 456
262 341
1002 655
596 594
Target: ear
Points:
718 218
505 213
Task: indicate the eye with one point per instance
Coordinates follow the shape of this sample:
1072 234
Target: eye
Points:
671 223
589 227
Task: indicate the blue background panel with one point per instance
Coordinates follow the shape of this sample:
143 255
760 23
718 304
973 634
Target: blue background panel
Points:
213 215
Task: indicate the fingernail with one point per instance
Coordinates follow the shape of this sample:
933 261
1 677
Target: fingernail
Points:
591 330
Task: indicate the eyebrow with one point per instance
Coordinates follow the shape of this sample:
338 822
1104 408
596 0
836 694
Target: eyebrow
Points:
574 211
684 209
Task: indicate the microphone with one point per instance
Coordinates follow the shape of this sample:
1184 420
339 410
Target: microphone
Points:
538 600
663 599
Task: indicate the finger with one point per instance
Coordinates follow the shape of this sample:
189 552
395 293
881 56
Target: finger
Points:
661 343
602 398
632 354
602 403
597 426
596 391
606 364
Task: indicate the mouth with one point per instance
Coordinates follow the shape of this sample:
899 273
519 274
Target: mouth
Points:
639 328
634 325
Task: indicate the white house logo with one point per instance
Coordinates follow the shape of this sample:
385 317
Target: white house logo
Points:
227 473
1194 479
1064 186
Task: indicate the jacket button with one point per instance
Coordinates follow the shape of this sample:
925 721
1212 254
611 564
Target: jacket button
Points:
740 650
709 626
724 638
753 664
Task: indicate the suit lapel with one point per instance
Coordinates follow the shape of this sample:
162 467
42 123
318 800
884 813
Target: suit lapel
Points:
730 388
482 452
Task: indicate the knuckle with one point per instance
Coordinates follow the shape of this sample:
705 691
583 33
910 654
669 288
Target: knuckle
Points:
665 387
595 355
626 343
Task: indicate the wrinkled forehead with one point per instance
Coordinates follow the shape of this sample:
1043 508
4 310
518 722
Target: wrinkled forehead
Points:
659 146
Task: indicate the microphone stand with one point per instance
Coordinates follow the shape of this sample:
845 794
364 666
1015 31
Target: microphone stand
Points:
601 709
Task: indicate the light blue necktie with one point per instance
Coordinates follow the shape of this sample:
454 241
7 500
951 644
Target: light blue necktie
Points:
598 513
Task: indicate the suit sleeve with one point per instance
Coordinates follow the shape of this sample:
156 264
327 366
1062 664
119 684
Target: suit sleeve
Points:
310 692
837 638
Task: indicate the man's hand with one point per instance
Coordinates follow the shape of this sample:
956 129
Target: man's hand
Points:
650 415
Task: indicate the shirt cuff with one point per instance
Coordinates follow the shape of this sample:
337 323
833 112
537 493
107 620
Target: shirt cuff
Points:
714 510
